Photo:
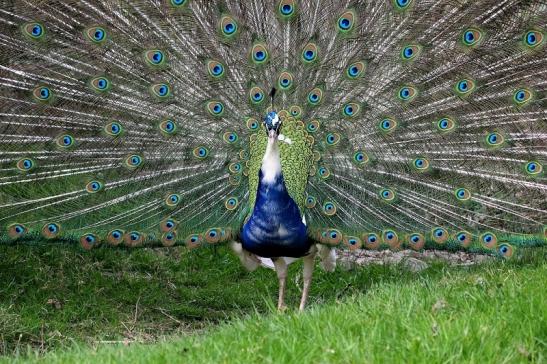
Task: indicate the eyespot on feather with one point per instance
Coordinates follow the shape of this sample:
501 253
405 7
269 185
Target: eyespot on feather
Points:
391 238
310 53
416 241
464 238
16 230
352 242
168 238
439 235
89 241
133 239
95 34
346 21
115 237
51 230
372 241
489 240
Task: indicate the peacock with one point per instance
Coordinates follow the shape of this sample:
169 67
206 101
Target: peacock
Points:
286 129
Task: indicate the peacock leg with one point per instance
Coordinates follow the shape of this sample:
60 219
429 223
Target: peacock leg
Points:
281 270
309 263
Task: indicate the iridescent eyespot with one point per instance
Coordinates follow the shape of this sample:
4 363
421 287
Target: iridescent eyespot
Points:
505 250
113 129
494 139
256 95
201 152
259 54
285 80
352 242
402 4
489 240
133 161
212 235
161 90
361 158
228 26
462 194
372 240
472 37
464 238
168 127
416 241
25 164
446 124
388 125
64 141
309 53
439 235
235 167
315 96
215 108
464 87
387 194
100 84
522 96
16 230
168 238
313 126
178 3
231 203
351 109
95 34
252 124
333 236
115 237
192 241
34 30
420 164
94 186
155 57
89 241
133 239
168 225
42 94
407 93
355 70
296 111
410 52
230 137
390 238
533 168
51 230
215 69
310 202
346 21
533 38
172 200
332 139
329 208
287 8
323 172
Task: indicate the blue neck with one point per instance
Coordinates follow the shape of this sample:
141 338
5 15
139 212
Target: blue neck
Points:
275 227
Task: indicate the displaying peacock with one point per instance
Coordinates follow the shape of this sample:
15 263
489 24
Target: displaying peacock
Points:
284 128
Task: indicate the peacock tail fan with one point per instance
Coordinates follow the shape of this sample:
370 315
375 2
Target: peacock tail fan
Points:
415 123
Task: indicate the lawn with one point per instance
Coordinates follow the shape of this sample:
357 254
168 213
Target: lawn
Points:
62 304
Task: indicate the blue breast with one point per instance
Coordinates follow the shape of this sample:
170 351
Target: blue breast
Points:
275 228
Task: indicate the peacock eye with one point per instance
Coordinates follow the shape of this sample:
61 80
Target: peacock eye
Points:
259 54
346 21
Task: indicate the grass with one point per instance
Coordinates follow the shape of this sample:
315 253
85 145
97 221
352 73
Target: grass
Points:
64 305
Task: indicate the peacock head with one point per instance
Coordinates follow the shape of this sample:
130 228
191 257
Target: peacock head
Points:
273 124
